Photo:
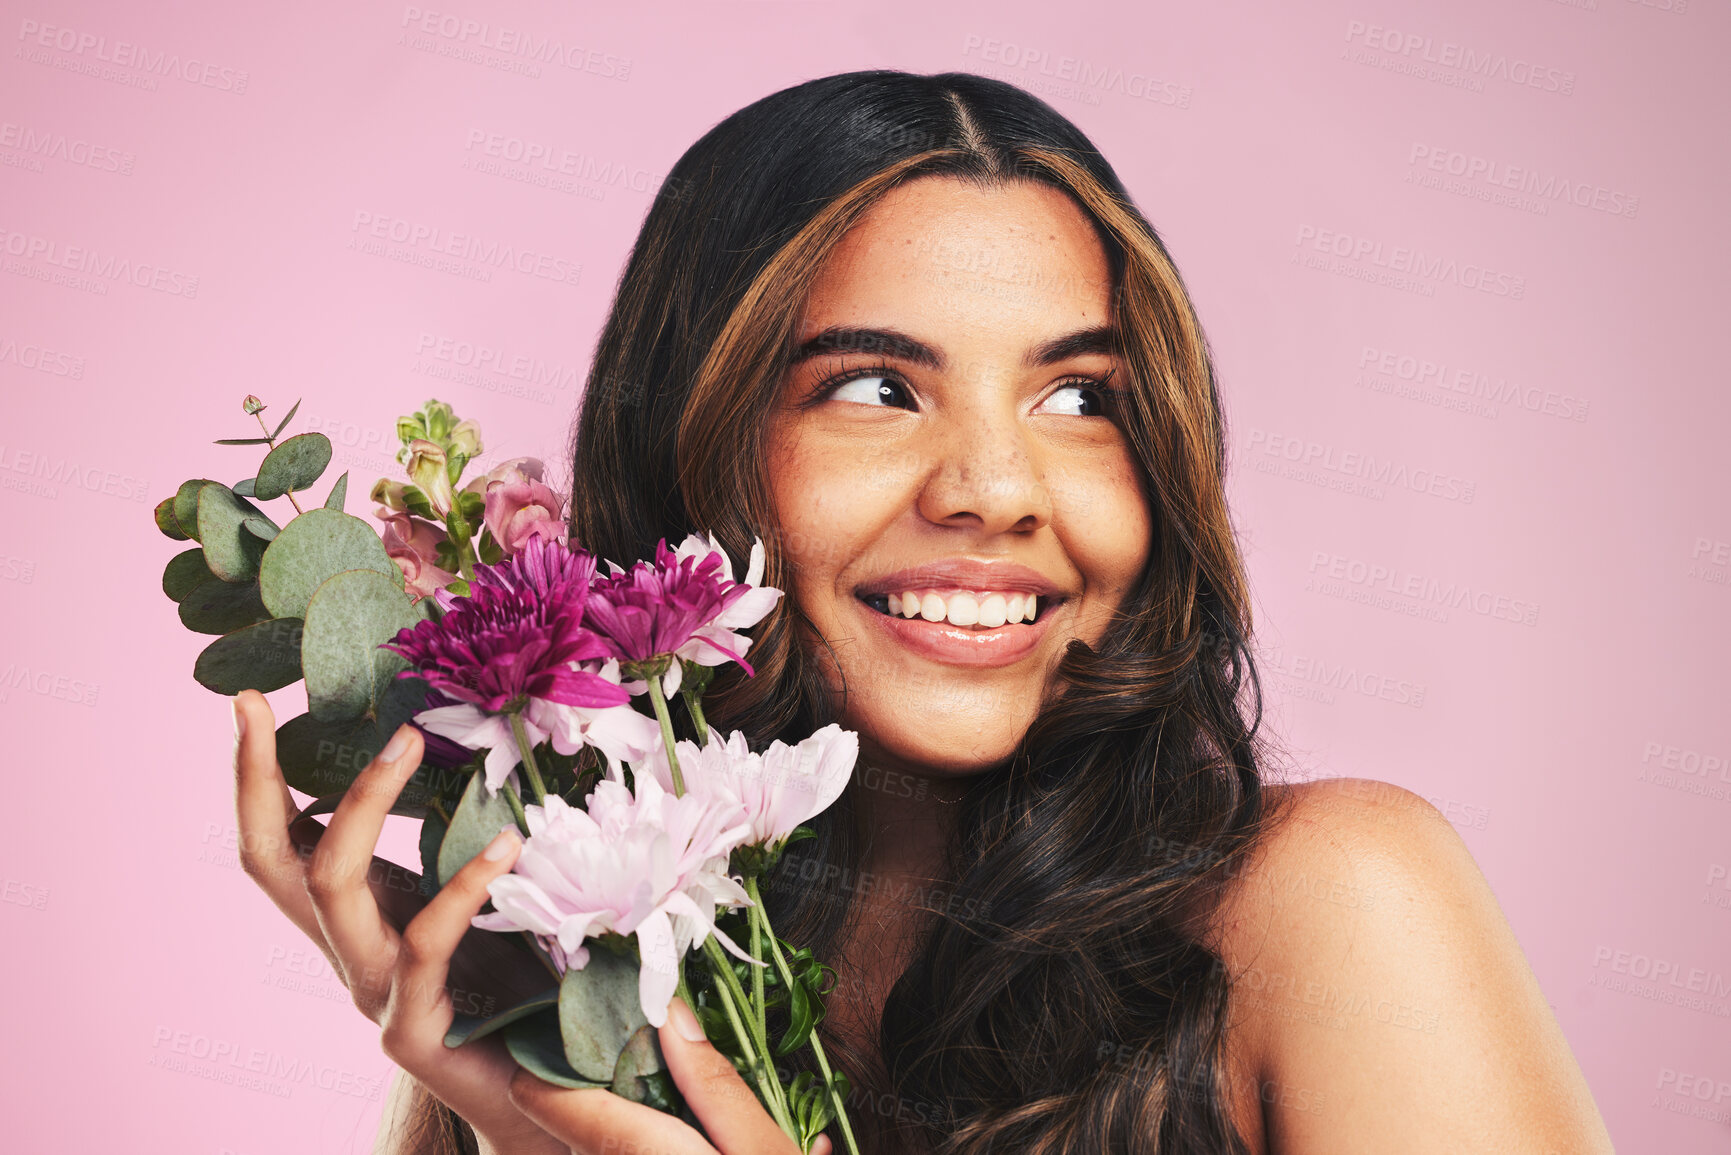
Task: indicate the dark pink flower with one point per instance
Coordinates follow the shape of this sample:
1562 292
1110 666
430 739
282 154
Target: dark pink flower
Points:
518 634
657 609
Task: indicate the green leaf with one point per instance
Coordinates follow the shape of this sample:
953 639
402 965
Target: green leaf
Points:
432 834
219 607
475 822
802 1020
639 1058
186 506
262 528
231 552
323 758
184 573
535 1043
339 493
465 1028
312 548
243 441
293 465
264 656
165 520
243 488
599 1010
283 424
347 619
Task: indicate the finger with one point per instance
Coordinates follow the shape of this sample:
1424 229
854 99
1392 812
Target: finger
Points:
473 1079
337 876
429 941
720 1098
593 1120
263 811
821 1145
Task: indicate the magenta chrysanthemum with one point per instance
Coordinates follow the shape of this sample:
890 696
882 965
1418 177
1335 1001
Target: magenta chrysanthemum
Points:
650 610
517 635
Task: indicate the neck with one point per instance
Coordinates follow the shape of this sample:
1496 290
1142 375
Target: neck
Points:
906 815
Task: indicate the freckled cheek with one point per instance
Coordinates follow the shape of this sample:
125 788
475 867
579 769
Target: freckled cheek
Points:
1106 523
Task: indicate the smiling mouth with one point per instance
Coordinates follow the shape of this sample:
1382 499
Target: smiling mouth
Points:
964 609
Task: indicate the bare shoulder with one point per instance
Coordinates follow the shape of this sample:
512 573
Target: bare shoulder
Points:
1378 993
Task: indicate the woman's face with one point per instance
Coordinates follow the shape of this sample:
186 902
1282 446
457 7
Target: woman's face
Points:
944 466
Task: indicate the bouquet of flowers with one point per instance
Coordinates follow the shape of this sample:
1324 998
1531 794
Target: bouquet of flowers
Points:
473 616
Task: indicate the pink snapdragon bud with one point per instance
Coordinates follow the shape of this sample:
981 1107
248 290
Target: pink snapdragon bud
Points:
414 545
429 470
520 505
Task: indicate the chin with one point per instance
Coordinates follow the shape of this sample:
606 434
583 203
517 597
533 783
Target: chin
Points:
956 747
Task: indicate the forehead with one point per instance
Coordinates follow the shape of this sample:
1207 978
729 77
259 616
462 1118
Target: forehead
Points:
939 252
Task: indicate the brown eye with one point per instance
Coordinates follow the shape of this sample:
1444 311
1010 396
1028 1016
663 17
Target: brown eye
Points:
875 390
1076 401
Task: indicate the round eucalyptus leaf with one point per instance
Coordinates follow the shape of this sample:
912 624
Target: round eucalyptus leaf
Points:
219 607
184 573
339 493
534 1042
599 1010
264 656
310 550
324 758
244 488
466 1027
292 466
262 528
640 1057
165 520
476 821
347 618
231 552
186 506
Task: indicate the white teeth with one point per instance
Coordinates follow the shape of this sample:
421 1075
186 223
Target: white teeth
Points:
964 607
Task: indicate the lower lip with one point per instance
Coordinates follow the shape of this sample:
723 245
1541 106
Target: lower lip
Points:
955 646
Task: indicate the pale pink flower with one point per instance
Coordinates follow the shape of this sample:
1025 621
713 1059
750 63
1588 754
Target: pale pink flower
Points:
651 865
620 732
779 789
414 545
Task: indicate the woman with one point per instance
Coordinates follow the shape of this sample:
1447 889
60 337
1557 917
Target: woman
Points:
912 331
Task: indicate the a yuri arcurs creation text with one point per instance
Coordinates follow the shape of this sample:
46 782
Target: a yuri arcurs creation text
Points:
545 688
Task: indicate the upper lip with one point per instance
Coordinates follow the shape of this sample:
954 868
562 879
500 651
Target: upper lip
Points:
963 574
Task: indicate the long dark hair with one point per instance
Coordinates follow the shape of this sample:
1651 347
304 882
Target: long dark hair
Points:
1074 1006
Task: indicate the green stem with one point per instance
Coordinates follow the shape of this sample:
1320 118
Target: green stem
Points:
537 791
659 701
516 805
694 703
757 1000
756 912
762 1068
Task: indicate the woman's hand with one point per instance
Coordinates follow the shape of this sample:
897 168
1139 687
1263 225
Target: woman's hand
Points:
397 980
595 1121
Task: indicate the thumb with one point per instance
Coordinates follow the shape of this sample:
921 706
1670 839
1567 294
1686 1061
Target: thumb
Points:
714 1090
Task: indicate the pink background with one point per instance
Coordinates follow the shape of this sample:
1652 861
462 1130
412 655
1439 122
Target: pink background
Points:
1567 467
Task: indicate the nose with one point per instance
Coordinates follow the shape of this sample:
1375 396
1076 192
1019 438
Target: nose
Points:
985 475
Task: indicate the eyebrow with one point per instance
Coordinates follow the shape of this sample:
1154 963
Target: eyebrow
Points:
895 343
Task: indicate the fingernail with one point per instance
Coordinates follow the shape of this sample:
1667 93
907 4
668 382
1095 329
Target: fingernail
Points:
501 844
239 719
395 747
684 1021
